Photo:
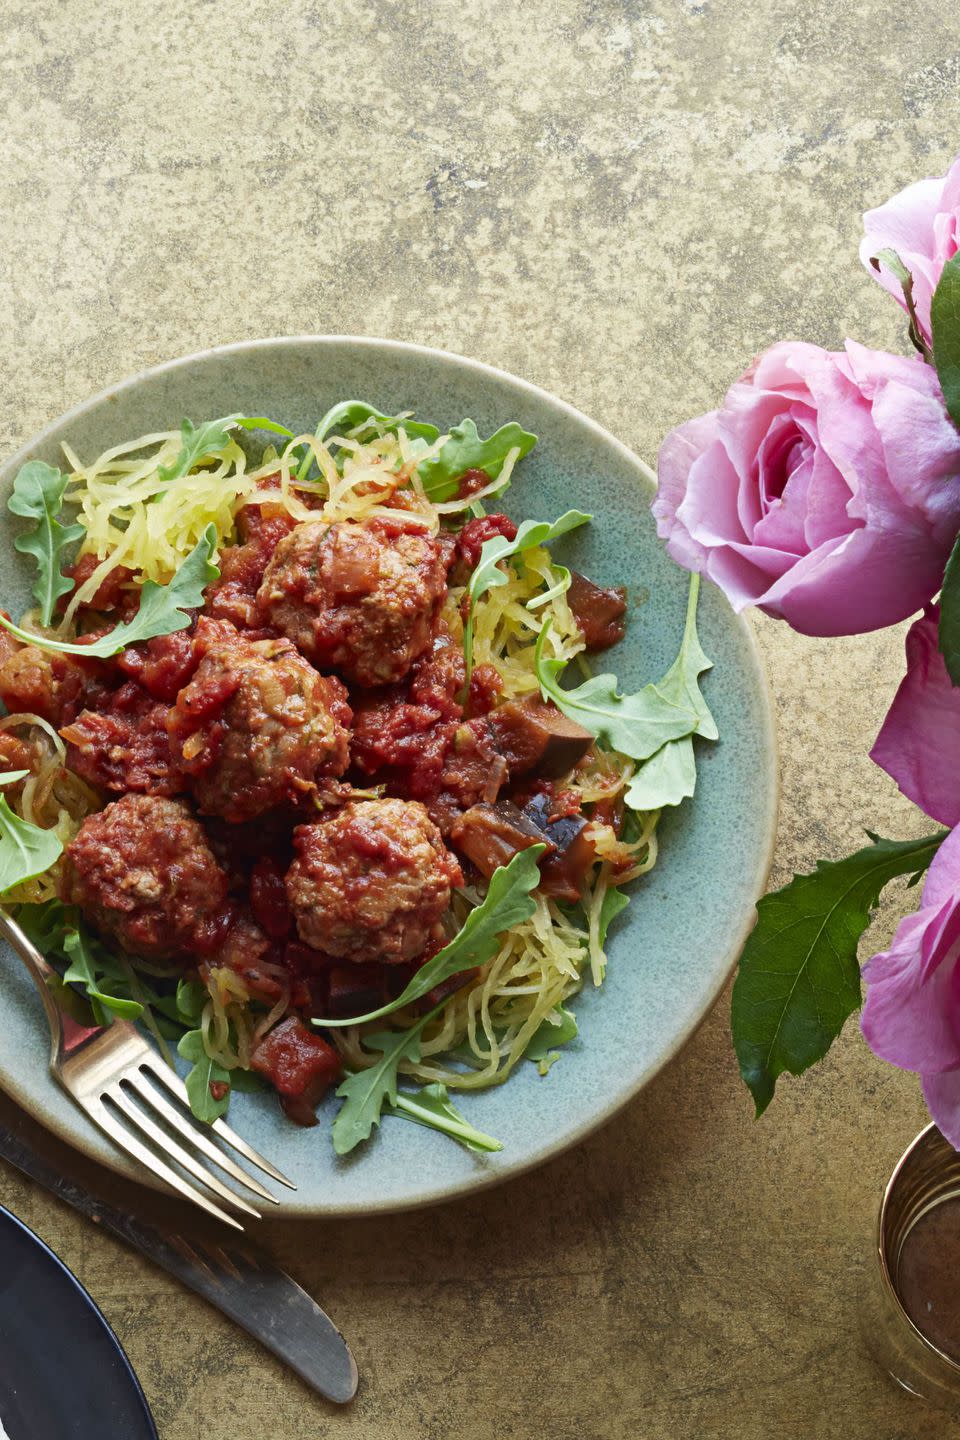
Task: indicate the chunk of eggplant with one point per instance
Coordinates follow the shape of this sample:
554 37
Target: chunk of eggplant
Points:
490 835
533 735
562 871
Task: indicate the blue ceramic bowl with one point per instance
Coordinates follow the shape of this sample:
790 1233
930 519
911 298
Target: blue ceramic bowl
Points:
675 945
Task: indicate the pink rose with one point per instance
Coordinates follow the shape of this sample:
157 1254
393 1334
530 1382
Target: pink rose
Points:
912 1014
825 489
919 743
921 224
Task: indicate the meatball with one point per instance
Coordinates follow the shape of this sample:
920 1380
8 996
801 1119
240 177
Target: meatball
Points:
123 745
372 882
357 598
256 727
55 687
142 872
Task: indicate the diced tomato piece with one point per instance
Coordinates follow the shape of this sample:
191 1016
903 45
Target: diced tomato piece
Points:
300 1064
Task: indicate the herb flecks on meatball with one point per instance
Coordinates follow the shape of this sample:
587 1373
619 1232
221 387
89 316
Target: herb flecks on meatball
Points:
142 872
372 882
256 727
357 598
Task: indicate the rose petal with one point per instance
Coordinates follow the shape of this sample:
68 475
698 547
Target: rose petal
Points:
817 597
919 741
905 224
907 1017
827 515
942 1095
943 877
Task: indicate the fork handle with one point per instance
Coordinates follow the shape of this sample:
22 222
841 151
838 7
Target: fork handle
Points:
66 1033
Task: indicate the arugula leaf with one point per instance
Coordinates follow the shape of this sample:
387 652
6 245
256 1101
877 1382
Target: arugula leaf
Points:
635 725
37 495
549 1035
202 1072
350 414
613 902
260 422
948 632
365 1091
108 981
163 608
945 327
45 924
86 968
667 778
799 979
432 1107
26 851
488 575
464 450
508 902
895 265
190 1000
670 775
247 1082
195 443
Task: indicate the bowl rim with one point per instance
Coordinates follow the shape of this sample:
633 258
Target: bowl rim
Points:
289 1209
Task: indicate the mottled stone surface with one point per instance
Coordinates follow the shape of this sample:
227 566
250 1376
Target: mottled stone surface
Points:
620 201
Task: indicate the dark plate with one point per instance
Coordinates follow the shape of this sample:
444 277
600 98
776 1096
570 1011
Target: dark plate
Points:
63 1374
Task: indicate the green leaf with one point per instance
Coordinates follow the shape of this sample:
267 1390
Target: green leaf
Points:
37 495
260 422
247 1082
203 1070
895 265
163 608
799 979
349 415
488 575
948 634
26 851
508 902
196 442
670 775
464 450
945 325
549 1035
86 969
613 902
635 725
432 1107
190 1001
45 924
365 1092
666 778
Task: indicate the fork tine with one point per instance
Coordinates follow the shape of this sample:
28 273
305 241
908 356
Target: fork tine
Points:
122 1099
237 1142
102 1116
197 1136
174 1084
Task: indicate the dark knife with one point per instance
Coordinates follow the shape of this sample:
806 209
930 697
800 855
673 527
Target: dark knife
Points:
242 1282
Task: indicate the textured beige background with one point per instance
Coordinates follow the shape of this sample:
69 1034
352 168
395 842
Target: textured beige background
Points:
622 202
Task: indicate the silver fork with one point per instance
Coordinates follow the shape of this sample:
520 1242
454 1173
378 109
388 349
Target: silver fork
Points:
108 1069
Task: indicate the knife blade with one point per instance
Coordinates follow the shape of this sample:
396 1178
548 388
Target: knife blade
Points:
239 1280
